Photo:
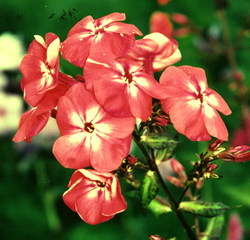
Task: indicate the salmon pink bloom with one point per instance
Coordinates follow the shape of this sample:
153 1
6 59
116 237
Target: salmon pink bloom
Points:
89 135
192 105
123 87
34 120
156 51
160 22
96 197
40 67
103 33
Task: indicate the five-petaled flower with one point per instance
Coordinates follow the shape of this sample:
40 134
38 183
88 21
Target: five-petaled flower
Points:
95 196
192 105
90 136
103 33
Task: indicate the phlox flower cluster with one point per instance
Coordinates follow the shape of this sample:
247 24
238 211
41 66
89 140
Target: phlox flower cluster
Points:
96 112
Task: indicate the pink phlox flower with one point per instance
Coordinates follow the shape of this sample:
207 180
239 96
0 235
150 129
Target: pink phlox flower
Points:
96 197
156 51
40 67
35 119
89 135
123 87
103 36
192 106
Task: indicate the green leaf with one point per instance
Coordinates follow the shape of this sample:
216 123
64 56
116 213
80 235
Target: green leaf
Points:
205 209
158 208
149 188
214 228
159 141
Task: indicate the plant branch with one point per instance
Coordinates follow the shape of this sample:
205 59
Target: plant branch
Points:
173 202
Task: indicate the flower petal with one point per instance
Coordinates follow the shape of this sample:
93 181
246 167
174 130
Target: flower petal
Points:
214 124
216 101
73 151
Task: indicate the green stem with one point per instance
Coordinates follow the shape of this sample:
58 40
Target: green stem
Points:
173 202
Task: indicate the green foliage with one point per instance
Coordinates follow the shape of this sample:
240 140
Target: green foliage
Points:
214 228
158 208
204 209
149 188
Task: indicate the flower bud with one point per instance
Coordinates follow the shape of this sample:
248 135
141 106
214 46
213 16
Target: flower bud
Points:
236 154
175 181
163 2
176 166
180 18
215 145
131 159
156 237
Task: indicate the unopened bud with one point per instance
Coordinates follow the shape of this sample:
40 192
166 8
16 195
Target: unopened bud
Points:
236 154
161 121
180 18
215 145
238 75
131 159
212 167
163 2
176 166
175 181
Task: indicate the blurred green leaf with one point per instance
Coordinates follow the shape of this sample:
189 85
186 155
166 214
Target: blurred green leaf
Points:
158 208
214 228
159 141
149 188
204 209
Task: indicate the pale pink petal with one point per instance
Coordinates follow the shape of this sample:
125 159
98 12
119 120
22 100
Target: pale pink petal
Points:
123 28
31 124
106 156
76 47
37 49
73 151
53 53
85 25
167 52
111 94
216 101
89 207
49 38
186 116
112 17
214 124
175 77
114 201
115 127
77 190
140 103
149 85
198 74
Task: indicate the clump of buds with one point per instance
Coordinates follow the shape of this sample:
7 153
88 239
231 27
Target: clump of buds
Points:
179 170
236 154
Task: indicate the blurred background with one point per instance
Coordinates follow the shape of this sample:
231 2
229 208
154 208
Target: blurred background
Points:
214 35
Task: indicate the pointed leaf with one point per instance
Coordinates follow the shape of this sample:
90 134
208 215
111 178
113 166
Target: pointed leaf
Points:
158 208
159 141
205 209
